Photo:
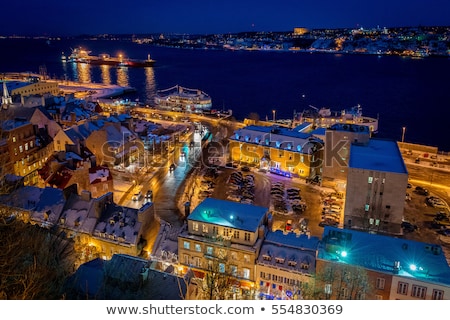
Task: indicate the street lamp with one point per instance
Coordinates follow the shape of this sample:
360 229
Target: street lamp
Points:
403 134
273 113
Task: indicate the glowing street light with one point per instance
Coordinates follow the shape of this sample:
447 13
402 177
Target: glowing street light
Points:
403 134
273 113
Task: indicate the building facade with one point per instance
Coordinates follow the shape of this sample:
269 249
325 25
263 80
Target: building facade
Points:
376 186
278 150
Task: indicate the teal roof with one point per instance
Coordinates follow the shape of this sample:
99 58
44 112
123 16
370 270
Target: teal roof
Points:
229 214
378 155
418 260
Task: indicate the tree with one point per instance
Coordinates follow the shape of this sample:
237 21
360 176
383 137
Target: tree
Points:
340 281
34 262
216 283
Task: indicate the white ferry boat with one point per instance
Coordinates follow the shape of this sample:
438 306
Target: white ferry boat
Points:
178 98
324 118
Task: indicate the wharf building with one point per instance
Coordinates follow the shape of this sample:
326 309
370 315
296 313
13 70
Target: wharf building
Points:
278 150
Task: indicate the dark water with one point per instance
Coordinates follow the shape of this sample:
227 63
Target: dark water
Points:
402 92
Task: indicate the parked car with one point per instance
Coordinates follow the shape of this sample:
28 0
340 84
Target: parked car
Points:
445 232
136 196
172 167
288 226
422 191
408 226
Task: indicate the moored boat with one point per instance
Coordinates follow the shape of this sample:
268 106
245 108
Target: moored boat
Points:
178 98
324 118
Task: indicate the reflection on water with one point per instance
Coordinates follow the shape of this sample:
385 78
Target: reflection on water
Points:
106 74
150 86
83 72
122 77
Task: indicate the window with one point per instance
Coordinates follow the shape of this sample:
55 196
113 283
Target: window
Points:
221 267
246 273
418 291
31 144
402 288
361 296
236 234
344 293
233 270
327 288
14 139
366 207
247 236
187 245
20 148
378 297
26 146
186 259
437 295
246 258
233 256
380 283
195 226
205 228
215 230
209 251
198 247
197 262
370 180
279 260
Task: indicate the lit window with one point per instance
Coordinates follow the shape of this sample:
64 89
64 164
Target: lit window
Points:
209 251
20 148
186 245
370 180
366 207
198 247
246 273
13 139
26 146
205 228
221 267
195 226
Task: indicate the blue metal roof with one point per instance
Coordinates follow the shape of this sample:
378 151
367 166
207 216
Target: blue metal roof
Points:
378 155
229 214
419 260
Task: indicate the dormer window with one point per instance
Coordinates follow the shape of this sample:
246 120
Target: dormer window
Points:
247 138
279 260
278 144
299 148
292 263
266 257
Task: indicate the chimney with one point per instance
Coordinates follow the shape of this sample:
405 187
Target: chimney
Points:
85 195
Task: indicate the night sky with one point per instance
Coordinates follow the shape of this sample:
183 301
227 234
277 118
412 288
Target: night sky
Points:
63 17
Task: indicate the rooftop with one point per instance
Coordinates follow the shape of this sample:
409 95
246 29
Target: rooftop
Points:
378 155
406 258
229 214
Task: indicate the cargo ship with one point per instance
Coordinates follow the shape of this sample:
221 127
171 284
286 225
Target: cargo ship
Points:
80 55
